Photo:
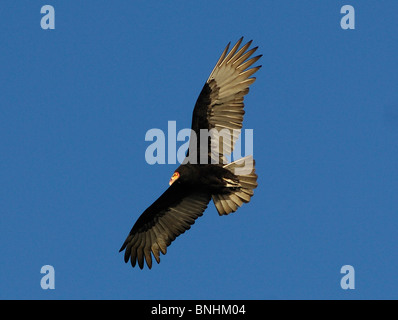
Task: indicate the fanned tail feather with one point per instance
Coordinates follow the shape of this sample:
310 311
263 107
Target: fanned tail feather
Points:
242 193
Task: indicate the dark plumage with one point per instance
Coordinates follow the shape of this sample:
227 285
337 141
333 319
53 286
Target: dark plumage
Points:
203 176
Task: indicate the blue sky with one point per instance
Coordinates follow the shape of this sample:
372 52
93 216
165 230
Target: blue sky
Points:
77 101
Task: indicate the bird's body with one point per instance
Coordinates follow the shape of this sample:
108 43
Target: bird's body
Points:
219 109
210 178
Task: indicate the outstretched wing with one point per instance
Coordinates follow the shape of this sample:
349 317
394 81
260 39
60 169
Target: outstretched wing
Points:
168 217
219 107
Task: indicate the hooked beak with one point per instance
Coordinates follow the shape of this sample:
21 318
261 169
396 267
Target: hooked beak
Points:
173 178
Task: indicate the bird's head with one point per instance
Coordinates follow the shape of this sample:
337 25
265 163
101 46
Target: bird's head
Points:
185 174
174 177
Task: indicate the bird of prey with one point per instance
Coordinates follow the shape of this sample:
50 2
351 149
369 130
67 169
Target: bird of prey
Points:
219 109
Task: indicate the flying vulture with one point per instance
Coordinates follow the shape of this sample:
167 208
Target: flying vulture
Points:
219 109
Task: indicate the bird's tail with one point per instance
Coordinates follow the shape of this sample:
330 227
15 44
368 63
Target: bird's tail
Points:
241 192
